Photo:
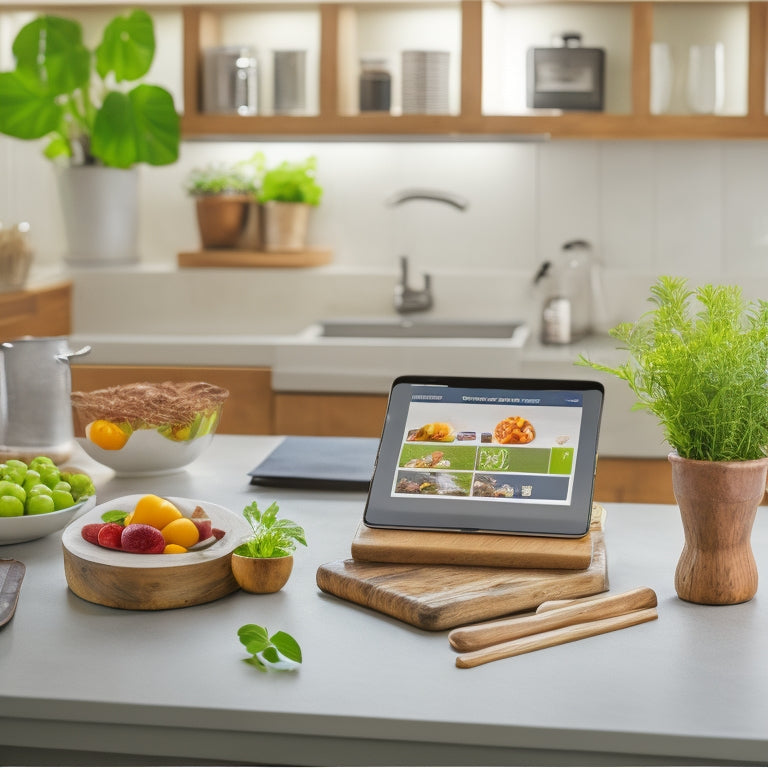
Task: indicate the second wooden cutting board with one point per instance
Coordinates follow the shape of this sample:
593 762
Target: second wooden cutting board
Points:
437 597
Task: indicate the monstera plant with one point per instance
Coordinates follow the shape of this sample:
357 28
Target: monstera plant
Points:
78 99
97 122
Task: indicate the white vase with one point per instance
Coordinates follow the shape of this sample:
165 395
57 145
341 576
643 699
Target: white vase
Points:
706 78
661 78
101 214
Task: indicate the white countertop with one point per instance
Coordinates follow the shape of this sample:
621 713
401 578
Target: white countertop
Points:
372 690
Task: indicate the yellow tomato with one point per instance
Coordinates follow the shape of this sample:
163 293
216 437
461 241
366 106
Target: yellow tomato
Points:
107 435
155 511
182 532
174 549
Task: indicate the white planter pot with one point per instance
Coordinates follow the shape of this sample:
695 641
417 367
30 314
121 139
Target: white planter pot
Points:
101 214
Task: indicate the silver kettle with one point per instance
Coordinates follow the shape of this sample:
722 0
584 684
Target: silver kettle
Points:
35 389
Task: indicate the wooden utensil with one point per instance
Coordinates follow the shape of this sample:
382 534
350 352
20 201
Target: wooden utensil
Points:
494 632
554 637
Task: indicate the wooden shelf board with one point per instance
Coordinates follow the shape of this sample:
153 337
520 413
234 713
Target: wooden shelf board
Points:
314 257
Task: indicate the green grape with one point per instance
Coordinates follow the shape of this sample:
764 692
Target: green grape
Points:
39 505
11 506
9 488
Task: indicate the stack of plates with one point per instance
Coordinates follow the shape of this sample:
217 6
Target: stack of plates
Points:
425 82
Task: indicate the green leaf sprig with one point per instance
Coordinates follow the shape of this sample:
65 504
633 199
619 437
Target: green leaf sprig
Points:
272 536
292 183
269 652
703 374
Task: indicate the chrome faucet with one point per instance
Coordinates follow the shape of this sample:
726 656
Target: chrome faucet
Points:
409 299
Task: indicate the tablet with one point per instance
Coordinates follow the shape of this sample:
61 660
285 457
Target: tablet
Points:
515 456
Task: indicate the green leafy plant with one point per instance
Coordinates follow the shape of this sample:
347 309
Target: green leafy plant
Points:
292 183
272 536
702 374
75 97
268 652
243 177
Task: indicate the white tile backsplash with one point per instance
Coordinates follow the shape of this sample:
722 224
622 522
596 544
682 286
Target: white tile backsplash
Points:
698 209
689 208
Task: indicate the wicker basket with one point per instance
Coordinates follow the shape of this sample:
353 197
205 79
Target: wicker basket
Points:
15 258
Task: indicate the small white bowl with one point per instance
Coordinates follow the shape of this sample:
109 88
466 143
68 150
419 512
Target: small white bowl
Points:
15 530
148 453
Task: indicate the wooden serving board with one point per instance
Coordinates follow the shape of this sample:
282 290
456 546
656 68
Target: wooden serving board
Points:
437 597
314 257
384 545
152 582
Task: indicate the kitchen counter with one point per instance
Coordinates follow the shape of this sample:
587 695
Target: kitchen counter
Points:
171 685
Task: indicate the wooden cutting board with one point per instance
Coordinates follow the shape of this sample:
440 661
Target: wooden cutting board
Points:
439 597
383 545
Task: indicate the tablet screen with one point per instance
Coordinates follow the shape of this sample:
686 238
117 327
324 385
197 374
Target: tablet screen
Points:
497 455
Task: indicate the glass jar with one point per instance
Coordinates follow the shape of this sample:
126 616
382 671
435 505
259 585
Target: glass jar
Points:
375 85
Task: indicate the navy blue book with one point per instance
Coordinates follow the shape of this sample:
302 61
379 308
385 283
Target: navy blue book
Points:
323 463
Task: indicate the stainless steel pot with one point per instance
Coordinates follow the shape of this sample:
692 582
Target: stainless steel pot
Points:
35 389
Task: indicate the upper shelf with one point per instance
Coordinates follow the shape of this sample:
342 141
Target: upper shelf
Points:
486 41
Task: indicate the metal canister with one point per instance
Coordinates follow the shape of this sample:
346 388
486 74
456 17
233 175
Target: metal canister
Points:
230 80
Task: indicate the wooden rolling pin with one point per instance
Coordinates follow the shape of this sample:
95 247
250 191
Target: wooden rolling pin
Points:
494 632
554 637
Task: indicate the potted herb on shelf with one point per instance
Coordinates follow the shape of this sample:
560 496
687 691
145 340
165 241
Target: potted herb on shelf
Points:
226 204
703 375
96 128
288 193
263 563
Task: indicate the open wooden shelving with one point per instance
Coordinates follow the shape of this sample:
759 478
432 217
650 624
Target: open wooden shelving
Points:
200 30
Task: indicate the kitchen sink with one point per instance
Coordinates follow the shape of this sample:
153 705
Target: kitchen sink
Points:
421 328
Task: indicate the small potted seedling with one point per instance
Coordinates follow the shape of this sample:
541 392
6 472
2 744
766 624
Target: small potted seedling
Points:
263 563
228 212
288 193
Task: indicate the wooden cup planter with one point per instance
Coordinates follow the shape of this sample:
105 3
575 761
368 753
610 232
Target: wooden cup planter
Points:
718 502
261 575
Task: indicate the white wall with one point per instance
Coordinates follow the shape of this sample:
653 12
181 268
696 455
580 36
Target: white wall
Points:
693 208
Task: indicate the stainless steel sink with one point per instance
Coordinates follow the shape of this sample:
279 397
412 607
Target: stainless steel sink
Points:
417 328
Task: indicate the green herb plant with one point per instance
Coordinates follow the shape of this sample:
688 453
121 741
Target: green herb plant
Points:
292 183
272 536
79 98
243 177
701 373
269 652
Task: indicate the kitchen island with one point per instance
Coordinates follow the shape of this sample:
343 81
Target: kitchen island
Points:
85 684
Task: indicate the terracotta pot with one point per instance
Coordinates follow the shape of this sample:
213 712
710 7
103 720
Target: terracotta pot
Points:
221 219
285 226
718 502
261 575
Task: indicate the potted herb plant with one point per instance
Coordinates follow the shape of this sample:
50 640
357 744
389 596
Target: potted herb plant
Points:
288 193
263 563
227 208
702 373
97 127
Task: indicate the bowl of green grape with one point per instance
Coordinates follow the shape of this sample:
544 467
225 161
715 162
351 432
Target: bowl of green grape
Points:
39 498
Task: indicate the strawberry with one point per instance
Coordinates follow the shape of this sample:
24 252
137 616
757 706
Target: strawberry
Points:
109 535
90 532
142 539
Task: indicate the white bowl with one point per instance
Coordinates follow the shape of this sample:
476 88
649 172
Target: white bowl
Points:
14 530
236 530
147 453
